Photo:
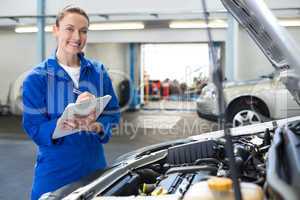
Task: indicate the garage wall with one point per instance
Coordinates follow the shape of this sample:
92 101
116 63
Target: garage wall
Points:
18 55
19 51
114 56
156 35
251 61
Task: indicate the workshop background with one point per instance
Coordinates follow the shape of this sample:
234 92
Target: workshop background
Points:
156 53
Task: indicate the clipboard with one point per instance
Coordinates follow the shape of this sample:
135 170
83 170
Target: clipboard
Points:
83 108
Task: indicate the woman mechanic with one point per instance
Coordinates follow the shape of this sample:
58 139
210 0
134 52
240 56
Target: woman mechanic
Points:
48 89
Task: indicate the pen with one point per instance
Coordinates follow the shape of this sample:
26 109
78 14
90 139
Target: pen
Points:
76 91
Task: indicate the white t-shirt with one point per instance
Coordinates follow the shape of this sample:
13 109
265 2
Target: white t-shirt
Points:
73 72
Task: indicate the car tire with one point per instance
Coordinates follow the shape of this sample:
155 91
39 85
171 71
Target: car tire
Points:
243 114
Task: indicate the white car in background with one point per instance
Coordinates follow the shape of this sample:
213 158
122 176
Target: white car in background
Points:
250 102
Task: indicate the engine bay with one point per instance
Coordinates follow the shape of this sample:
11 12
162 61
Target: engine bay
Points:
194 166
267 163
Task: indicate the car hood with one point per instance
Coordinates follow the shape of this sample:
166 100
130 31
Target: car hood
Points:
274 41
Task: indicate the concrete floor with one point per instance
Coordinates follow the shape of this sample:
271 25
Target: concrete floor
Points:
171 105
136 130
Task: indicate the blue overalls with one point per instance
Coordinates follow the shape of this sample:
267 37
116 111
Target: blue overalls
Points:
47 90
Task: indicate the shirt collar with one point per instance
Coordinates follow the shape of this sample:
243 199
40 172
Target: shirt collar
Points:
53 67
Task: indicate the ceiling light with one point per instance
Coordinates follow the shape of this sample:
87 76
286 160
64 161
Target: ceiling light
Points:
48 28
218 23
187 24
26 29
289 22
117 26
93 27
31 29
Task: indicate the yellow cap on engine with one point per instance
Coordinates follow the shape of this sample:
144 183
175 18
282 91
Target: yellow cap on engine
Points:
159 191
220 184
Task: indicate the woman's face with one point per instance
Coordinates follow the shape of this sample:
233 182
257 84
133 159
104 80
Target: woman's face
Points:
72 33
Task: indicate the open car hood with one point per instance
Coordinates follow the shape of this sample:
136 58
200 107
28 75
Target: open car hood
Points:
274 41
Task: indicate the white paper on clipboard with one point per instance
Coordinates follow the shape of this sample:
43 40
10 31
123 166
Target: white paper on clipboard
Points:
82 108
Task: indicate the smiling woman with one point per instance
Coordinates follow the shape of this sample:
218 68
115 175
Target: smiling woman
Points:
70 31
47 91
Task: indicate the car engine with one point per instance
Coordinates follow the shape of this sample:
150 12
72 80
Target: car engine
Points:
198 166
267 162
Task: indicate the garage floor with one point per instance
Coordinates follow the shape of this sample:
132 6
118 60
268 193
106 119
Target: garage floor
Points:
137 129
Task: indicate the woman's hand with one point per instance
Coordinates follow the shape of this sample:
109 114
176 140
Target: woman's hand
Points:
67 125
96 127
88 124
85 96
85 123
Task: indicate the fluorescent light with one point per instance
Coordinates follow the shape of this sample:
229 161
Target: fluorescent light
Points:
48 28
117 26
31 29
93 27
218 23
289 22
26 29
187 24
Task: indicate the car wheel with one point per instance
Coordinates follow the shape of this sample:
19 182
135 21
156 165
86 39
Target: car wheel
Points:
242 115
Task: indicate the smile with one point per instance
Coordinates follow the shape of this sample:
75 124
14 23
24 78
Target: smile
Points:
74 44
